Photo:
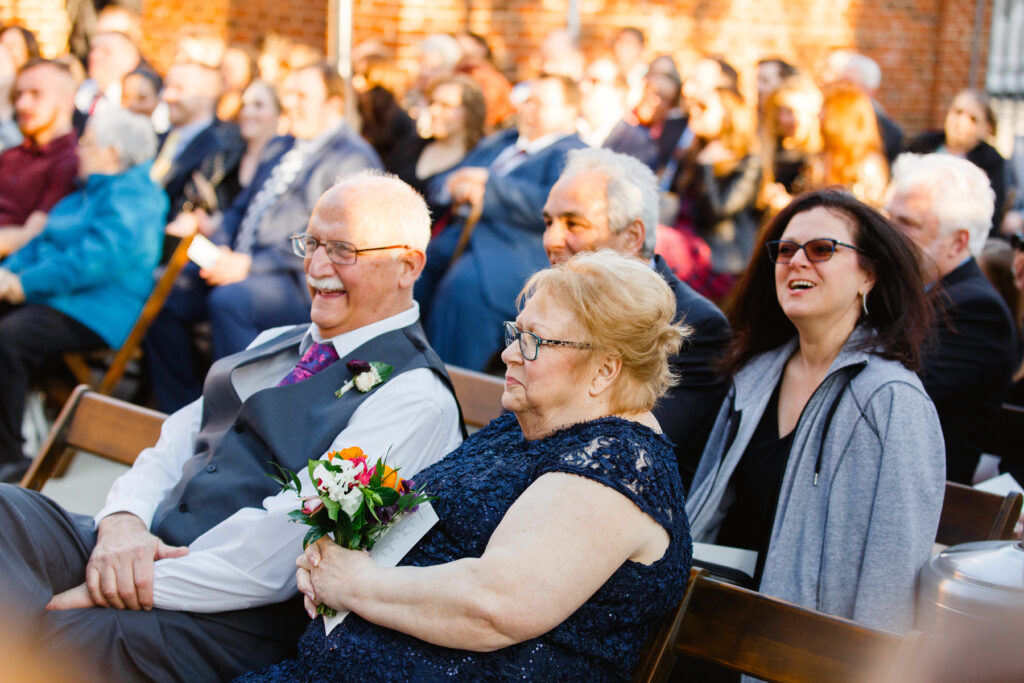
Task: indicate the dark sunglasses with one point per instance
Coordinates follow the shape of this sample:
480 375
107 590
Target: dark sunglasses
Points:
816 250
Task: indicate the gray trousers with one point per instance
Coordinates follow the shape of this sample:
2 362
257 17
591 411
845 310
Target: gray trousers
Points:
44 550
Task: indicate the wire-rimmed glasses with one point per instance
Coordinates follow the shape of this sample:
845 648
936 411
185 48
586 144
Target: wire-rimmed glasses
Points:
338 252
530 343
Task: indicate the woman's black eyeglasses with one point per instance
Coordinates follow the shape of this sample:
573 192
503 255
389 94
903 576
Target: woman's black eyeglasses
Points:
816 250
529 343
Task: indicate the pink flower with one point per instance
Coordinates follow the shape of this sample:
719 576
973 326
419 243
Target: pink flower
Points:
364 477
311 504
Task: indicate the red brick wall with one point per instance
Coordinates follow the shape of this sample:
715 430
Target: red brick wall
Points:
923 46
46 18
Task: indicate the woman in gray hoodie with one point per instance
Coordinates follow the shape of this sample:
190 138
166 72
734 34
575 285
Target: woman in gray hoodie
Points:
827 456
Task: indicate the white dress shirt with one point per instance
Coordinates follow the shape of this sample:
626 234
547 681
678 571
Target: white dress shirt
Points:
249 559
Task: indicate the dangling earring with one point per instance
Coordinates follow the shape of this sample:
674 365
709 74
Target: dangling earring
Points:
864 302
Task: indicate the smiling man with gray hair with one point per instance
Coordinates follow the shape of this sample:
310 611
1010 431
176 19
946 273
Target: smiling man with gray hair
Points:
607 200
944 204
188 572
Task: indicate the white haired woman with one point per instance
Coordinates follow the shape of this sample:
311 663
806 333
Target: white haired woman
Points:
82 282
562 539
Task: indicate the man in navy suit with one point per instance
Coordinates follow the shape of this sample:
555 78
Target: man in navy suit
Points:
190 93
256 282
504 184
944 204
606 200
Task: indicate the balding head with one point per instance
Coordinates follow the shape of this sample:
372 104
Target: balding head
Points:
385 226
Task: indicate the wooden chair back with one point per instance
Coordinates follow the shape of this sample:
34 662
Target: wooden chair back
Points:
98 424
972 515
773 639
478 394
118 360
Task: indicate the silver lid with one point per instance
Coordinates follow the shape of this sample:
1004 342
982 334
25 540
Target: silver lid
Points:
993 565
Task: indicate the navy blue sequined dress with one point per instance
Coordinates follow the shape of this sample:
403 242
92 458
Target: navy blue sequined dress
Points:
476 484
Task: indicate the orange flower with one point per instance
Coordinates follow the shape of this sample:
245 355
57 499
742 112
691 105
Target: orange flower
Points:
350 453
390 478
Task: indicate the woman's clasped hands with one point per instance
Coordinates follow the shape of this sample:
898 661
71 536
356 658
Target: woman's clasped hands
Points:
328 574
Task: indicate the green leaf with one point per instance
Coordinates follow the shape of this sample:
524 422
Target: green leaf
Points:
383 369
285 478
344 530
388 496
297 516
312 536
333 508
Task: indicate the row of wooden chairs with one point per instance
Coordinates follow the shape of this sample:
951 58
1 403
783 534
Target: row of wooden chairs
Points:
717 622
773 639
93 422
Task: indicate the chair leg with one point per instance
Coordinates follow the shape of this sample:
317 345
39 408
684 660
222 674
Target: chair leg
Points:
79 368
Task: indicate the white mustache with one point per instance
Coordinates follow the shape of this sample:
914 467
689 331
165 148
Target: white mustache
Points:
326 284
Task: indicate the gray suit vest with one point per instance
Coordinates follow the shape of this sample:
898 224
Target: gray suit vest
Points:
288 425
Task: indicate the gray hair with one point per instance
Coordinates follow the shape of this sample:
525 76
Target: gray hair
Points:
961 195
130 134
856 67
444 45
632 192
398 212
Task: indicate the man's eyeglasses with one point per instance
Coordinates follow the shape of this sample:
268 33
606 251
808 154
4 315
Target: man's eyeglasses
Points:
817 250
338 252
529 343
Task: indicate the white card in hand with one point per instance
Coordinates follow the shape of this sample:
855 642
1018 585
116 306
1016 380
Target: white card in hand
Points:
203 252
394 544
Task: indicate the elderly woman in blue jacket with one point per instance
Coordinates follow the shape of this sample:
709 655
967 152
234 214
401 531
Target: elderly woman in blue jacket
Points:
82 282
827 457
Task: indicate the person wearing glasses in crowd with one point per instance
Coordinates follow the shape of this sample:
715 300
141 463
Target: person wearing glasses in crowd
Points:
255 282
188 572
562 539
827 455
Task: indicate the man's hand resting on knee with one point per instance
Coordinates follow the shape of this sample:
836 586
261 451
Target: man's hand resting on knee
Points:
120 569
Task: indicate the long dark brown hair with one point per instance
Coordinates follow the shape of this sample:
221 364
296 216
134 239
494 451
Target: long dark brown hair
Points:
899 311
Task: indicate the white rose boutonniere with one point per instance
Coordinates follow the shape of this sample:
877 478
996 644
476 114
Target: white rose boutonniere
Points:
365 376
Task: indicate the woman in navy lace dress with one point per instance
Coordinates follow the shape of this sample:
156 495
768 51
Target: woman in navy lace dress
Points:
562 537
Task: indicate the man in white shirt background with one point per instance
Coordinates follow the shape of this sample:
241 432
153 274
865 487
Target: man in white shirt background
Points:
193 550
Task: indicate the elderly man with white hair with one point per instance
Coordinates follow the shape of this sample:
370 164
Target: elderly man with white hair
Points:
944 204
188 572
82 282
608 200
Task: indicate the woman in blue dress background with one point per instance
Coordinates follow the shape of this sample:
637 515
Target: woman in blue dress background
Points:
562 538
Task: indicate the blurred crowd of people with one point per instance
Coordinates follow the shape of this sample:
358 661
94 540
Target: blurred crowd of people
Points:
244 141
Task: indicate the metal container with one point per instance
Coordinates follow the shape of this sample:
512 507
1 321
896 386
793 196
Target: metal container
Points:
970 583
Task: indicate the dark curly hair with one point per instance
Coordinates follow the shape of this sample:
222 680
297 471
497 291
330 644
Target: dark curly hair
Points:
900 312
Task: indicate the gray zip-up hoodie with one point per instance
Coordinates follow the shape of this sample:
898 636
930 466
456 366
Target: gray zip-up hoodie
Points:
862 491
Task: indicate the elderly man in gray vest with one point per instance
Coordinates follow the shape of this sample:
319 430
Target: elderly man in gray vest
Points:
193 555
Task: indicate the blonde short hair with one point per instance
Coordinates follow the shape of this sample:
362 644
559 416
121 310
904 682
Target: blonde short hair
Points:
626 308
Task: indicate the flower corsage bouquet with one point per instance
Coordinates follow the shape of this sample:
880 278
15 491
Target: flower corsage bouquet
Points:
354 502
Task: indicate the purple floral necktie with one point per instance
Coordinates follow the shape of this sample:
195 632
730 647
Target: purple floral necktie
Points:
318 357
